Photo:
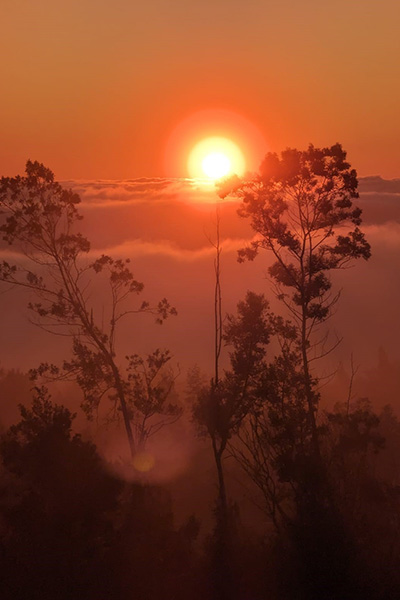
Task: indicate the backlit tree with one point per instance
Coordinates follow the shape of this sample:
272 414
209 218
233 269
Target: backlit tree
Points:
300 206
40 220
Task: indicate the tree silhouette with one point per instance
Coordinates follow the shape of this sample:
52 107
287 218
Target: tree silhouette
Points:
220 410
58 504
40 220
300 206
151 388
272 442
70 528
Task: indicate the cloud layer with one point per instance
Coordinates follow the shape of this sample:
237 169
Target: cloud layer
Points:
167 226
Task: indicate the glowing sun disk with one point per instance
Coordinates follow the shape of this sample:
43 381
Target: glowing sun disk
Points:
216 165
215 157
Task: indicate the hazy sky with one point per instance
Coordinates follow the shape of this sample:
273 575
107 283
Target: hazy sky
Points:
95 88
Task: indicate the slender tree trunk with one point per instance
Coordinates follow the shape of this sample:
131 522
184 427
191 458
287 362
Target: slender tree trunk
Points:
124 408
117 383
224 579
87 324
217 304
308 384
223 561
222 498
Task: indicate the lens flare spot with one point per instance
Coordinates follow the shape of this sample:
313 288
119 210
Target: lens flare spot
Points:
143 462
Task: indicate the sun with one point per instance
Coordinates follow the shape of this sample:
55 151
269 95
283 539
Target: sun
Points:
215 157
216 165
213 131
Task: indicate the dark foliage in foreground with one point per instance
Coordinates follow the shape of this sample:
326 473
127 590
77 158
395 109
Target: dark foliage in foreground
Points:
71 529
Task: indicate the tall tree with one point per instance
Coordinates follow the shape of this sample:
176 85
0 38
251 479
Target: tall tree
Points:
271 444
40 219
300 206
220 409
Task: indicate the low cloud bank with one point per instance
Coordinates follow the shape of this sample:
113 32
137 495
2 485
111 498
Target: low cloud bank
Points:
167 228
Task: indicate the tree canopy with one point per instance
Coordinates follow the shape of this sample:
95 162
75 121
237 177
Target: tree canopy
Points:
40 219
300 206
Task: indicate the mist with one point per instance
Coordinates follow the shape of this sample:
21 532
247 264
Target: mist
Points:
158 500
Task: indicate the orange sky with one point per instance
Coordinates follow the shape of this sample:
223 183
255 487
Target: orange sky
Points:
95 88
